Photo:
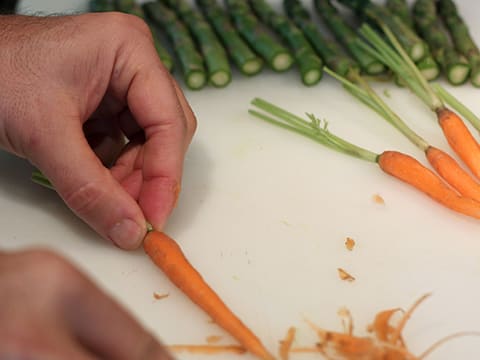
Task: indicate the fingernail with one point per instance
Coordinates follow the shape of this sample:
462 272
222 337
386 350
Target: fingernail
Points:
127 234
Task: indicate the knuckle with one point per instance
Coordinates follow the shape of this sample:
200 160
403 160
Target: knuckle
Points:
122 23
85 199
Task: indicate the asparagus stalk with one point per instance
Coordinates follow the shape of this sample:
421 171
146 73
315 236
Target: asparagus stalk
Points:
131 7
330 52
238 50
191 62
427 66
347 36
461 37
401 9
429 25
215 56
410 41
101 5
309 63
258 37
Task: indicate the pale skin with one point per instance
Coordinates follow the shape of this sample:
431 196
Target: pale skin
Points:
73 87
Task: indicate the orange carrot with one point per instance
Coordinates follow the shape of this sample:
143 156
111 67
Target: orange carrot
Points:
452 173
460 139
409 170
168 256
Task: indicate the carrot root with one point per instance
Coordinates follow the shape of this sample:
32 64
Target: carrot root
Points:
410 171
460 139
168 256
453 173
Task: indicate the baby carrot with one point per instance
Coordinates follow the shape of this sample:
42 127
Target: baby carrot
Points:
460 139
409 170
394 163
168 256
453 174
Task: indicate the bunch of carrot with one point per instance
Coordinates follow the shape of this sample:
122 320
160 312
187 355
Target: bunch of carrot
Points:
460 191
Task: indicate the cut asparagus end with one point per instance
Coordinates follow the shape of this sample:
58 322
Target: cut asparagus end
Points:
458 74
475 78
196 80
220 78
430 74
252 67
282 62
417 52
311 77
428 68
375 68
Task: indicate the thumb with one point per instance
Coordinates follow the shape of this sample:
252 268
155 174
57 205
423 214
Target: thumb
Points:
89 189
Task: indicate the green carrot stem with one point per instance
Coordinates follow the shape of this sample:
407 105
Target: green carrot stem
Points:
311 129
364 92
345 34
429 25
400 63
38 178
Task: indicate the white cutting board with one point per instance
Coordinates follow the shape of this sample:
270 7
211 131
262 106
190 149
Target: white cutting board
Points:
264 215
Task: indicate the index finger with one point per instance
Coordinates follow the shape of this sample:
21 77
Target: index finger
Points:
152 99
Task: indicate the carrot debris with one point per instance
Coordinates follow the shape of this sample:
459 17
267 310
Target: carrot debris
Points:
378 199
208 349
386 342
213 339
286 343
158 296
168 256
345 275
349 243
409 170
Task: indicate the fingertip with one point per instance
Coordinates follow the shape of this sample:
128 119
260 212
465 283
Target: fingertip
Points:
127 234
158 199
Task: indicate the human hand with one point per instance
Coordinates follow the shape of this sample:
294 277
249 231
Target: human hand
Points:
71 83
49 310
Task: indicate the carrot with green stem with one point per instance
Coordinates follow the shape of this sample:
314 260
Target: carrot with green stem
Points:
455 131
394 163
445 165
169 257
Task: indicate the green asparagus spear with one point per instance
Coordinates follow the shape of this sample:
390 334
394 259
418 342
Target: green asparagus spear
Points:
191 62
131 7
309 63
258 37
461 37
414 45
430 27
238 50
427 66
347 36
330 52
215 56
101 5
401 9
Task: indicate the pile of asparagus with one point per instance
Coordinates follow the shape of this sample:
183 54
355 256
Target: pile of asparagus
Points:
205 38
